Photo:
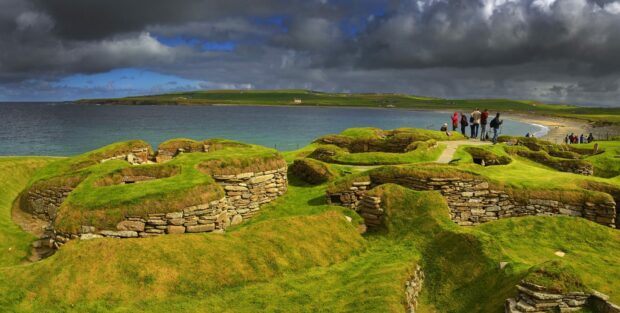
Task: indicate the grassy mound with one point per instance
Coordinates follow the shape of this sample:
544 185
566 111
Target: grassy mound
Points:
487 156
101 200
190 266
463 263
542 157
373 146
312 171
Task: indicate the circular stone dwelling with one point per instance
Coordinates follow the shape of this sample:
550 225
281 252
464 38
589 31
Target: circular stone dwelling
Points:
127 190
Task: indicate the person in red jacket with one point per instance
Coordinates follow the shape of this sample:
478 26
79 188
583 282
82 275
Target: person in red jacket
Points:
455 121
483 122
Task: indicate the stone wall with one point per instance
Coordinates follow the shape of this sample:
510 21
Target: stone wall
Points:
473 201
538 299
44 203
413 287
245 193
135 157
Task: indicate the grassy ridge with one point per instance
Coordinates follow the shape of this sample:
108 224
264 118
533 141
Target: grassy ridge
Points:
313 98
14 176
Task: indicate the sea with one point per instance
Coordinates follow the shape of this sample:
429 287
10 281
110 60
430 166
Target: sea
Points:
63 129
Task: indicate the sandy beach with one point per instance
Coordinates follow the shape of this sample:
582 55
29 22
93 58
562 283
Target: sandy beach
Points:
557 127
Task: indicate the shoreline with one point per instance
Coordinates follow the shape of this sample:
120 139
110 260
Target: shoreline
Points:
557 127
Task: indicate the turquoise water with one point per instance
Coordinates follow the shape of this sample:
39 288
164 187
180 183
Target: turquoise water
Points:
67 129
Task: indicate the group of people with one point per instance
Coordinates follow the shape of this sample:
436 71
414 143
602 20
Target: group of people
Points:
574 139
477 123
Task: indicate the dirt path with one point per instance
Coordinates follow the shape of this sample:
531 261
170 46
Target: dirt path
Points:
448 154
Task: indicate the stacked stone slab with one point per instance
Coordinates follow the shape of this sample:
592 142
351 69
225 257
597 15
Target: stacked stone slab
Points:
246 192
371 211
534 298
473 201
413 287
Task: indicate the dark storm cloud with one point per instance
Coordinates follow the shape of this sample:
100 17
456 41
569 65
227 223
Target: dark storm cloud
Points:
554 50
477 33
94 19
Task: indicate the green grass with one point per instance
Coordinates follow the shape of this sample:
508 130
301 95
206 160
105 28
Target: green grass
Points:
301 255
313 98
14 176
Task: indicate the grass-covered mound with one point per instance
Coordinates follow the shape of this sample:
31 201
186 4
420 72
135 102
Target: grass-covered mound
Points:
108 274
482 155
373 146
464 263
102 198
517 179
313 171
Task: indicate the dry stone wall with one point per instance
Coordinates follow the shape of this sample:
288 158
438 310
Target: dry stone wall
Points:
473 201
539 299
44 203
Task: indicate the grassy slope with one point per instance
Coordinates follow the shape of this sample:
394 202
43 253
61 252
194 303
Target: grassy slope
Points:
310 98
104 274
14 175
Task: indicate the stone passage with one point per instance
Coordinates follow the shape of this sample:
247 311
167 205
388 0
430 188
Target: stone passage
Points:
473 201
538 299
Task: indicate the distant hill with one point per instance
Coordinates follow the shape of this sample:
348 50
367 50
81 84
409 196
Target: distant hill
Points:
298 97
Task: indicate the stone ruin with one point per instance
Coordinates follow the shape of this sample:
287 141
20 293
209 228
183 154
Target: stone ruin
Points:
244 194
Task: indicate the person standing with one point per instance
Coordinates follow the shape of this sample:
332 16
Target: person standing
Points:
475 123
582 139
483 122
495 125
590 138
463 123
455 121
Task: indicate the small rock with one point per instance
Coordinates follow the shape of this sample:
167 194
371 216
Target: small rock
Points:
90 236
560 253
236 220
135 226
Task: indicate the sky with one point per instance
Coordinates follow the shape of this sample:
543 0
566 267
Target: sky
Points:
559 51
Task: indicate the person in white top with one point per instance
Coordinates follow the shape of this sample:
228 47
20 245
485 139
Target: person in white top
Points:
475 116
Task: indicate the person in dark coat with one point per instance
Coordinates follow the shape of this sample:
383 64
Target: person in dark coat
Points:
483 124
590 138
495 124
464 124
